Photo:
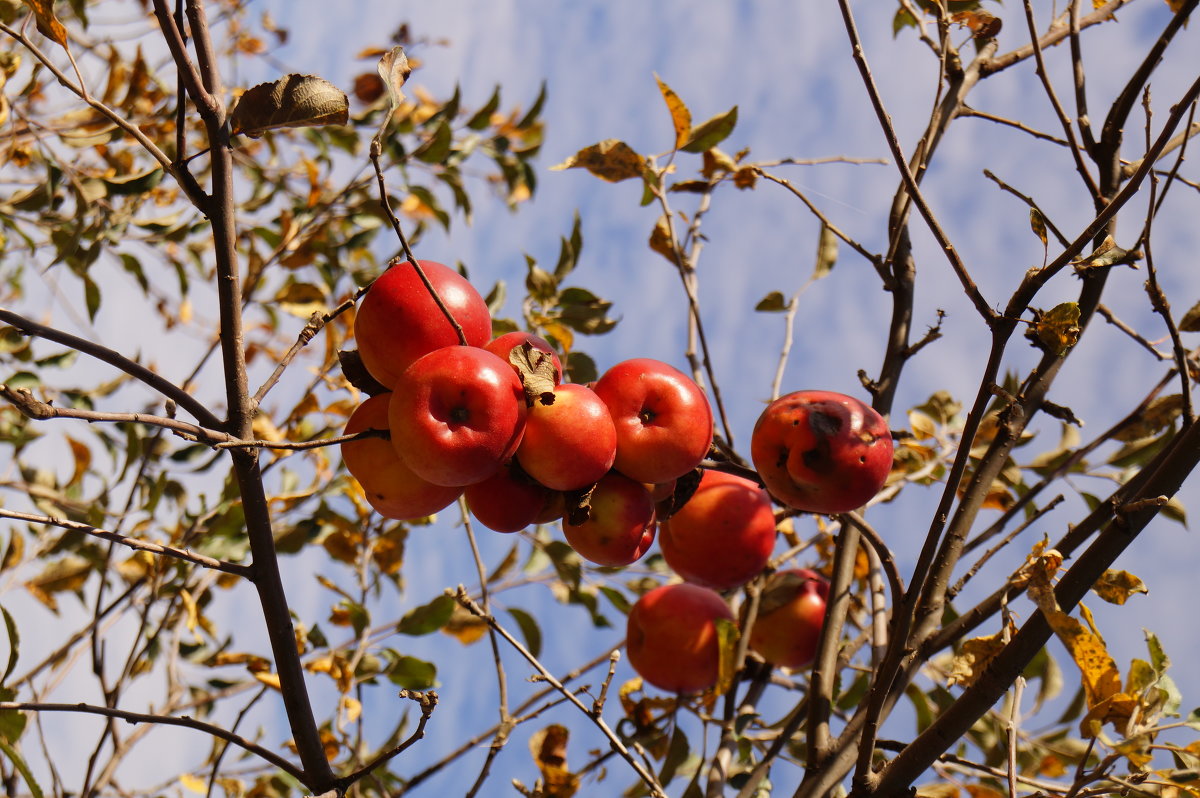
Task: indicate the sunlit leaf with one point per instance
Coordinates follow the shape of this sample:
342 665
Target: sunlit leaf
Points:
974 656
1058 328
291 101
681 117
612 160
1038 223
660 240
549 749
193 783
48 24
711 133
1116 587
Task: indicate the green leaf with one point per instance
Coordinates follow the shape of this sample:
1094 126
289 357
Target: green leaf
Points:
20 765
568 255
428 617
14 644
535 110
711 133
617 598
581 368
677 753
134 184
91 295
483 117
412 673
773 302
437 147
529 630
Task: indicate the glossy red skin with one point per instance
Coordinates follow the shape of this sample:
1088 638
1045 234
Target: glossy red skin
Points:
788 635
391 486
398 321
821 452
571 443
671 637
723 536
456 415
620 528
664 422
509 502
502 345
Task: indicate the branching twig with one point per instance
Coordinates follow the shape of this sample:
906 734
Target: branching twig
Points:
162 720
136 370
428 702
138 545
618 745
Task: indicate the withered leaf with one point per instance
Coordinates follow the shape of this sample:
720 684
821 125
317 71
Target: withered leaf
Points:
827 252
291 101
973 658
394 69
660 240
1157 415
1038 223
773 302
1058 328
1116 587
612 160
537 372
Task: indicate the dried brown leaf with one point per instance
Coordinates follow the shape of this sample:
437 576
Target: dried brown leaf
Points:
291 101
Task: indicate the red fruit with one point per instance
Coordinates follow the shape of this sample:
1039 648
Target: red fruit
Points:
822 452
457 413
672 638
502 345
390 485
570 443
398 321
664 422
509 501
620 527
791 613
723 536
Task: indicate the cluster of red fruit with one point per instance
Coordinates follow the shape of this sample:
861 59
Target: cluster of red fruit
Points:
492 421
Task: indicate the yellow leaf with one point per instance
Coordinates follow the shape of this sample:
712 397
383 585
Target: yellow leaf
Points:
727 645
83 458
969 663
193 783
1038 223
1116 587
269 679
681 117
49 26
1101 679
193 615
465 627
660 240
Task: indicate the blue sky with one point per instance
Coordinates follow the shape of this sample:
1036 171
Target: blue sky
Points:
786 65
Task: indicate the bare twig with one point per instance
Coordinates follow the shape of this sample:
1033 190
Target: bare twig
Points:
428 702
1068 129
136 370
618 745
162 720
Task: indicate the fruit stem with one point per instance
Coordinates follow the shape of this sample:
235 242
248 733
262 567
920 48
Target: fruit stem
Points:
408 255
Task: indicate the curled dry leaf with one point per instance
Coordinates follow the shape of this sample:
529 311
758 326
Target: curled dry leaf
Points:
291 101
